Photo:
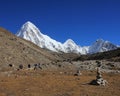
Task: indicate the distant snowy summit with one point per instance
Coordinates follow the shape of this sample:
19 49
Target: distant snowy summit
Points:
31 33
101 46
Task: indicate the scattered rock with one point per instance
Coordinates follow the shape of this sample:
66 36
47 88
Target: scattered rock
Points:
78 73
29 66
20 66
10 65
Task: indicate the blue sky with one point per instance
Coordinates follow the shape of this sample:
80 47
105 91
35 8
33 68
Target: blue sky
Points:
84 21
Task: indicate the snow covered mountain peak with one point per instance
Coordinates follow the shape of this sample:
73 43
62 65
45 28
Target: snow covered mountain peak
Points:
69 42
31 33
28 29
99 40
70 46
101 46
29 25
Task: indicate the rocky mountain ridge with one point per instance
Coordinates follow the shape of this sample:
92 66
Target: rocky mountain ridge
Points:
31 33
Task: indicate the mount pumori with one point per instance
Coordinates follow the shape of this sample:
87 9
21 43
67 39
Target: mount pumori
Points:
31 33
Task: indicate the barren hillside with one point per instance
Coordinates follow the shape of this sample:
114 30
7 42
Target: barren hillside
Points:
14 50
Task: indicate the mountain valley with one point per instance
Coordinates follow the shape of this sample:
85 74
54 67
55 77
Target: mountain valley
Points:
52 72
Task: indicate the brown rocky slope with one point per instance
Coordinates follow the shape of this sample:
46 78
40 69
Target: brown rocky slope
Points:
14 50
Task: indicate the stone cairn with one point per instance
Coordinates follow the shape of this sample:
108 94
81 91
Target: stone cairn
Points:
99 80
